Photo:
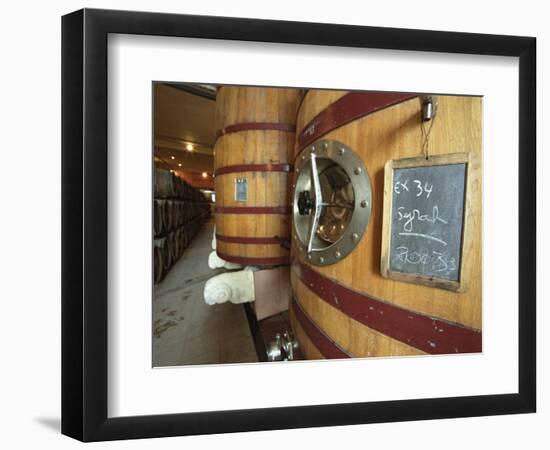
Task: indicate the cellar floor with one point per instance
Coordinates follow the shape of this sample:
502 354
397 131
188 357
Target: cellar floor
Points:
187 331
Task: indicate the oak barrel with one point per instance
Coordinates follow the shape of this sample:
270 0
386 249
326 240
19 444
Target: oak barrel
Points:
158 221
158 263
256 133
348 309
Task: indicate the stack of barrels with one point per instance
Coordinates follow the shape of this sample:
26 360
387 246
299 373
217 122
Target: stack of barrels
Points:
179 210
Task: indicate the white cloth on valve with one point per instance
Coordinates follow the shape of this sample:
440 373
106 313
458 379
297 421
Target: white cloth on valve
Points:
234 287
215 262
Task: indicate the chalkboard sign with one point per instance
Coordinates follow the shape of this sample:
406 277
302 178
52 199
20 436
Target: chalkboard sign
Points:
425 205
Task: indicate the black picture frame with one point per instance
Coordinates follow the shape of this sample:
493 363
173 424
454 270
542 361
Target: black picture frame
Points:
84 224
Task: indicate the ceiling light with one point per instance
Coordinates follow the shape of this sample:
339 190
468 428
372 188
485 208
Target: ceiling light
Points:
189 147
172 157
179 164
204 174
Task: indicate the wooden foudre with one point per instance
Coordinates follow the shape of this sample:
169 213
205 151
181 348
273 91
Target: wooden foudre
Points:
349 308
256 134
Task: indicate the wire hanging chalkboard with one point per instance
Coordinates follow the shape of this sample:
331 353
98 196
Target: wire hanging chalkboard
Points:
427 204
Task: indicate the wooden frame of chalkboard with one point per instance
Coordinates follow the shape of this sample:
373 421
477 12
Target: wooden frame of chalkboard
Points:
456 279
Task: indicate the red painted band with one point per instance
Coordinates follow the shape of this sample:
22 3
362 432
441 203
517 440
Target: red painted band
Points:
347 108
431 335
251 240
256 126
328 348
255 261
253 210
269 167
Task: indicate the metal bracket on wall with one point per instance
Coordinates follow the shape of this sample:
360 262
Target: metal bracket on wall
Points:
429 107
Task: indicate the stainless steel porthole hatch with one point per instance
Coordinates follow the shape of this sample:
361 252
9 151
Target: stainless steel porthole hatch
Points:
331 203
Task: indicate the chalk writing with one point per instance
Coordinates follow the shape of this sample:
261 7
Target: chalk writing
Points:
411 216
425 236
427 219
438 261
421 188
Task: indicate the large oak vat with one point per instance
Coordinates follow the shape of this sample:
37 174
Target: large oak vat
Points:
256 133
347 308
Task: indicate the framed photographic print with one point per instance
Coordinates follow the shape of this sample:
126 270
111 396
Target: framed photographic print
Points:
316 207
